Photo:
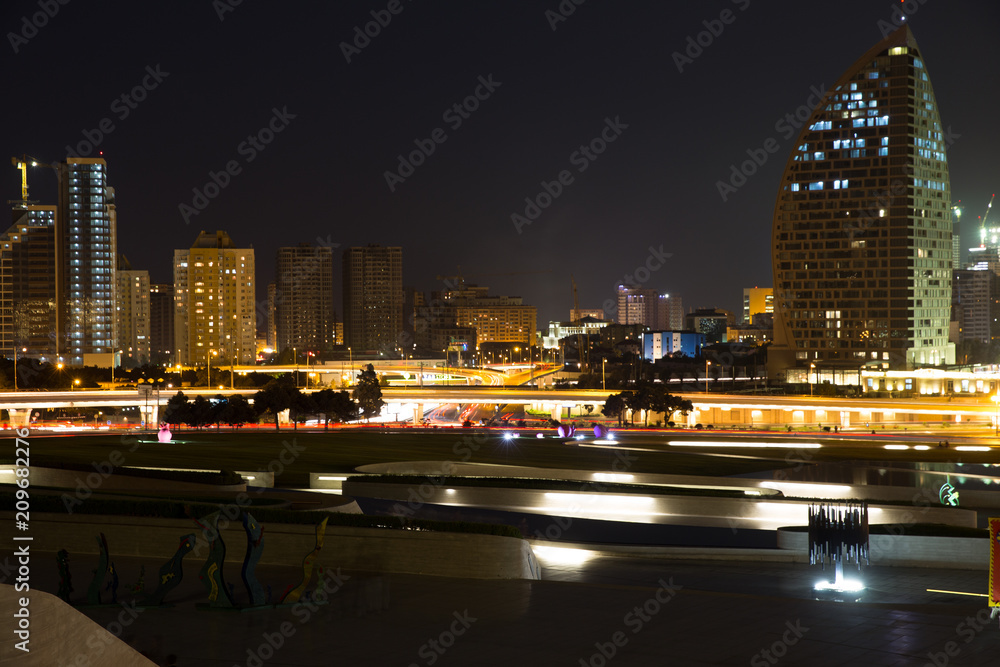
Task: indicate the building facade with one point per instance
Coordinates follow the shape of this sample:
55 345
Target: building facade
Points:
133 315
29 284
757 300
161 323
636 305
373 299
303 299
861 239
87 252
214 301
659 344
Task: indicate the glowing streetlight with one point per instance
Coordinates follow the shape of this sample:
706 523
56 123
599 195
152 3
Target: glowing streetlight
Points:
812 369
604 362
23 349
707 364
996 415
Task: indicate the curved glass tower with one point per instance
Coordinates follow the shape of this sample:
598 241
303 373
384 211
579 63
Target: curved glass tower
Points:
861 241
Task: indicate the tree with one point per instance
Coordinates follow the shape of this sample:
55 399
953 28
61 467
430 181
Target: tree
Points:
274 398
200 413
368 393
178 409
335 405
614 407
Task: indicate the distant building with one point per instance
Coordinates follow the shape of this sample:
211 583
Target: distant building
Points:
659 344
133 316
468 315
215 310
161 323
303 298
559 330
712 322
29 284
972 303
648 307
373 299
593 313
757 300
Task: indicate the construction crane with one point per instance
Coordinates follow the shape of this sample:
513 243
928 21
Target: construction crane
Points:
22 164
982 224
582 355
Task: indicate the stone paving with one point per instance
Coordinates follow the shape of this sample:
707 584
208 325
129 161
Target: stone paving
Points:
609 610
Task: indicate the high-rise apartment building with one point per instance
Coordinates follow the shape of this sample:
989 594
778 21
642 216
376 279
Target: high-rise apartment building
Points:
161 323
214 308
757 300
637 305
373 298
303 299
861 240
86 251
972 298
29 284
133 315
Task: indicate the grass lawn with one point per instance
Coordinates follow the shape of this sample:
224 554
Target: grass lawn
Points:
294 454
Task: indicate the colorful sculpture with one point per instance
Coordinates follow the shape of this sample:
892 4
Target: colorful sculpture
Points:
171 573
164 435
211 572
255 546
294 594
94 591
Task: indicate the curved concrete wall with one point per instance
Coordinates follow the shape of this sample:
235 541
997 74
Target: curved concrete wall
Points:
967 553
382 550
751 512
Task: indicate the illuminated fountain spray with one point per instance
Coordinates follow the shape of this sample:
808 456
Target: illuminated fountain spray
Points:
839 534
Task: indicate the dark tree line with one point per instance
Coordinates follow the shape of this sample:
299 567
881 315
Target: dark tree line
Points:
274 398
645 397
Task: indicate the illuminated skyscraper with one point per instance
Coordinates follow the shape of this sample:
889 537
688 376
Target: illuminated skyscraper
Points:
861 241
86 250
133 314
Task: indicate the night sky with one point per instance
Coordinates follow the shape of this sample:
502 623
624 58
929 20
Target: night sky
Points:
549 92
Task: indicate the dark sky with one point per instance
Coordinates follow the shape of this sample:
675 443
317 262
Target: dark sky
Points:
322 176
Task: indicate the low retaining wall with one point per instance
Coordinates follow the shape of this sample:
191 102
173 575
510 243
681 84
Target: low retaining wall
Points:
380 550
965 553
93 480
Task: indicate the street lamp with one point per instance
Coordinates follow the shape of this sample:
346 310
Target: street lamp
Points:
23 349
604 362
996 416
350 354
208 381
812 369
707 364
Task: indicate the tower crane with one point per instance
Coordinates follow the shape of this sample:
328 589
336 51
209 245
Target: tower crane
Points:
982 223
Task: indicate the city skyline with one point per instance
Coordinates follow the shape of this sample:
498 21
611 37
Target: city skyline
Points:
552 110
